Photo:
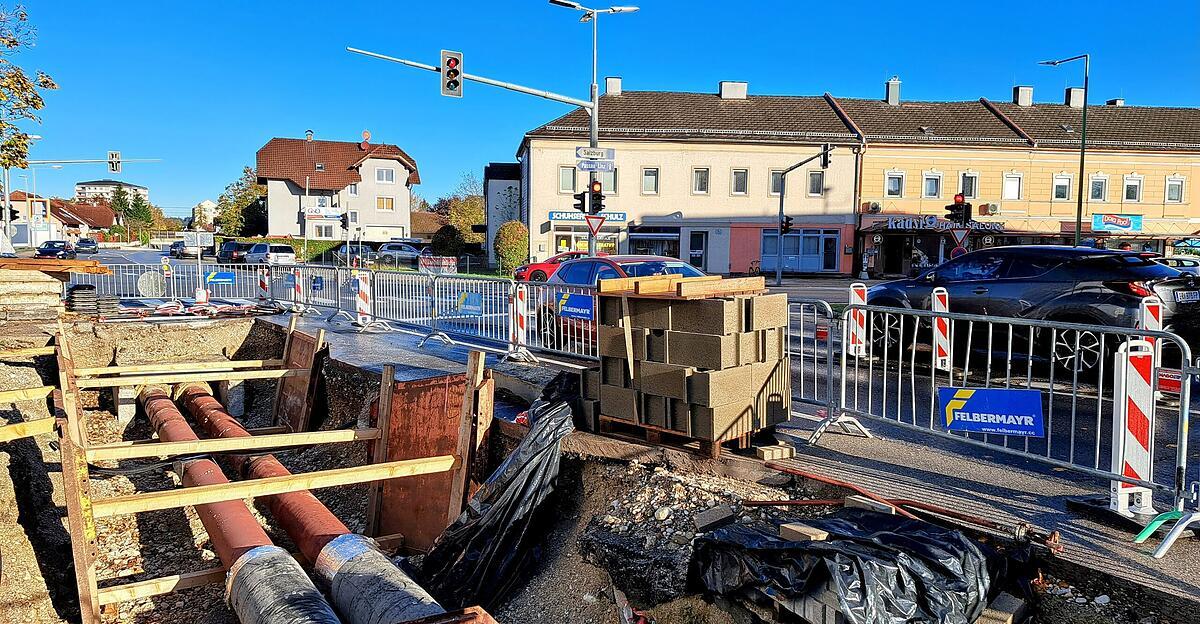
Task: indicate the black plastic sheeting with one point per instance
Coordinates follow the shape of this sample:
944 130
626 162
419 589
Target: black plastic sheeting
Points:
478 558
885 569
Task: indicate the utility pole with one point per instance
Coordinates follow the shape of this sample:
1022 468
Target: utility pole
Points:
824 156
1087 65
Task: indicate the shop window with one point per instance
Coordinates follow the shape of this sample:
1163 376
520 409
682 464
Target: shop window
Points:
566 179
1098 191
931 186
1174 190
1133 189
740 181
968 185
700 181
816 183
1062 187
1012 186
893 185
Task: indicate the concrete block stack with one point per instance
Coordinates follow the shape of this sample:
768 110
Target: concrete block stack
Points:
711 367
29 295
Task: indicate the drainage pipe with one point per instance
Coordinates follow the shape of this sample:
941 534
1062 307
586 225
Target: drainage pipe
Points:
363 583
264 584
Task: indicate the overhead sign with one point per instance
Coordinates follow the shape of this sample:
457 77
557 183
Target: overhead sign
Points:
595 153
575 215
577 306
198 239
605 166
1116 223
960 236
470 304
594 222
219 278
1000 411
930 222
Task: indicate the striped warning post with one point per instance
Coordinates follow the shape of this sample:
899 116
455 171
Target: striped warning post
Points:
941 329
518 307
362 302
264 284
1151 317
1133 427
297 286
856 343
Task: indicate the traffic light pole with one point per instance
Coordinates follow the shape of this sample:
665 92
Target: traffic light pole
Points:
782 192
593 125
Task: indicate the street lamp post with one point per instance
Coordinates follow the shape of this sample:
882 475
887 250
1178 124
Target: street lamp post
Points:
7 199
590 15
1087 62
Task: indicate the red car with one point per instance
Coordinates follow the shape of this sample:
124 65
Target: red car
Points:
541 271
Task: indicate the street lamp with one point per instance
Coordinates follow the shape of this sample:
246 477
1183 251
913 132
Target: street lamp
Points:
589 15
7 200
1087 62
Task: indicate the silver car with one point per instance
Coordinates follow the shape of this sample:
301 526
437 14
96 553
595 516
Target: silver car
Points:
397 253
1186 265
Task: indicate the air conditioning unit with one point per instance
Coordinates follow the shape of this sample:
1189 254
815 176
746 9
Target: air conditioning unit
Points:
990 209
874 207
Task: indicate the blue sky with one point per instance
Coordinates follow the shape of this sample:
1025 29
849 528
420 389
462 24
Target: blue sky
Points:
203 85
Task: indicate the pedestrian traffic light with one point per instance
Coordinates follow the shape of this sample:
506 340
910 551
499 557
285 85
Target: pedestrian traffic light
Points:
345 221
451 73
785 226
825 149
960 211
581 201
597 196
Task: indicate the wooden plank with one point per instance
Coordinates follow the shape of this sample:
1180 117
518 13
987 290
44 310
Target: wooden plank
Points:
15 431
203 494
174 378
29 352
378 448
738 284
81 524
170 367
294 403
650 287
159 586
152 448
629 351
287 348
484 415
25 394
462 451
622 284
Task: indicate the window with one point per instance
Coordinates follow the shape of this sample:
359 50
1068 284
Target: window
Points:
976 267
578 273
650 180
385 203
1133 188
700 181
1031 266
322 201
1062 187
1174 190
566 179
776 181
1012 186
931 185
353 216
320 166
608 181
816 183
968 185
1098 191
741 182
324 231
606 272
352 190
893 184
384 175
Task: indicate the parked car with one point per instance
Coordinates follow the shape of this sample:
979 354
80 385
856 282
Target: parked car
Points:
58 249
365 252
87 245
179 249
1186 265
397 253
271 253
233 251
541 271
1052 283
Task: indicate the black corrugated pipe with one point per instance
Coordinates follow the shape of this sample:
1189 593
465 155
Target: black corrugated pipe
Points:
265 585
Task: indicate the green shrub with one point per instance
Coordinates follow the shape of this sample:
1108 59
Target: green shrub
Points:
447 241
511 245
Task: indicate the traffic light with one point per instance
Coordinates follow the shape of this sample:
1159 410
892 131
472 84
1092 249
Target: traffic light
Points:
960 211
785 226
13 214
597 197
581 201
452 73
825 155
345 221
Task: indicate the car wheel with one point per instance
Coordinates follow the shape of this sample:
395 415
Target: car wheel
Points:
537 276
549 330
1074 350
888 332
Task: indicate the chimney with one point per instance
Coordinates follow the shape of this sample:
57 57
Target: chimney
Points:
892 92
732 89
1116 102
1074 97
308 135
612 85
1023 95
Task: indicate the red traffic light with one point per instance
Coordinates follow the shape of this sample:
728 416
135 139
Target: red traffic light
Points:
597 186
958 199
451 62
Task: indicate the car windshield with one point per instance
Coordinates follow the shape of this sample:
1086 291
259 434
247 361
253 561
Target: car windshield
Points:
53 245
86 241
281 249
659 267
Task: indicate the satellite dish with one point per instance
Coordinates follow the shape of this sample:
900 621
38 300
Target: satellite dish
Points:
366 135
151 284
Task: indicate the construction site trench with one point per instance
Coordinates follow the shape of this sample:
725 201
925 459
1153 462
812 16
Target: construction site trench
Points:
623 534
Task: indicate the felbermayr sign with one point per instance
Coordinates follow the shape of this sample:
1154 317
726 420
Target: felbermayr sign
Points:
931 222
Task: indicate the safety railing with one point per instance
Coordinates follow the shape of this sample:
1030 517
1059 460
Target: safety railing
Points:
812 329
173 280
1112 402
561 319
471 306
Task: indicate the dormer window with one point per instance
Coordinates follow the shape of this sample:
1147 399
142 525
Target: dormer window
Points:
1067 128
925 130
320 166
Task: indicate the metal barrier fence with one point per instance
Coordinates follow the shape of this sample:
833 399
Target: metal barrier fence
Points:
811 346
558 320
151 281
1084 377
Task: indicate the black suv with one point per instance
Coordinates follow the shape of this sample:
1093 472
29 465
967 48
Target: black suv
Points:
1055 283
232 251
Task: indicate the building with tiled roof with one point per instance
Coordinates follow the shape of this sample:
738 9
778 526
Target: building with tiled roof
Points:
95 190
312 183
40 219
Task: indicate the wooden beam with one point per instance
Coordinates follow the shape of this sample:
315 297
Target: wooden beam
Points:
203 494
484 415
648 287
174 378
159 586
466 422
622 284
379 448
25 394
287 349
31 351
170 367
738 284
15 431
154 448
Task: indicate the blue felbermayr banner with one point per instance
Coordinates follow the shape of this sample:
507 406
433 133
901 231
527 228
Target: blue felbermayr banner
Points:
1002 411
470 304
318 283
575 306
220 277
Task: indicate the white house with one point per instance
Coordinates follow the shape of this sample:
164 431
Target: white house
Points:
95 189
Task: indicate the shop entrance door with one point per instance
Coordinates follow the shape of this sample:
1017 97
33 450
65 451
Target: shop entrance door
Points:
698 251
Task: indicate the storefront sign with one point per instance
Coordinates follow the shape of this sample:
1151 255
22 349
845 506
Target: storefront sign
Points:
575 215
1116 223
1001 411
930 222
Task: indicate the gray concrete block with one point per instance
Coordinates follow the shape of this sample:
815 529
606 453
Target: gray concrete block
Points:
862 502
1005 609
125 401
714 518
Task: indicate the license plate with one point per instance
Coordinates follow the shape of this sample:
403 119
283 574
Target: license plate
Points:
1187 296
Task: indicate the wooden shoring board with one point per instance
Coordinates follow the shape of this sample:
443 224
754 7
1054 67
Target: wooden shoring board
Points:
650 287
155 448
27 352
737 284
294 397
269 486
466 437
378 449
175 378
28 429
159 586
485 402
25 394
171 367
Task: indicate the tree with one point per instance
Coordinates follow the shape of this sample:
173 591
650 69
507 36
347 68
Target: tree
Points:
141 214
447 241
511 245
20 95
232 203
416 203
464 208
119 202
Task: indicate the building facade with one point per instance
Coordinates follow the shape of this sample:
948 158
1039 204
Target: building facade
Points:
501 200
103 189
311 184
204 214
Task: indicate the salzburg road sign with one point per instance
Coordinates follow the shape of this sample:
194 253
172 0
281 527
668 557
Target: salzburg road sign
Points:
597 165
595 153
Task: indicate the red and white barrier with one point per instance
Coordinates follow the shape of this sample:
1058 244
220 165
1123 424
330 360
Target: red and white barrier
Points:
1133 427
297 287
264 284
362 302
941 330
856 340
202 295
1151 317
519 309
